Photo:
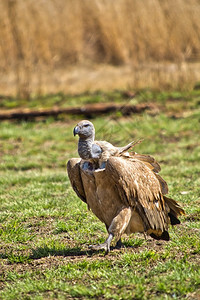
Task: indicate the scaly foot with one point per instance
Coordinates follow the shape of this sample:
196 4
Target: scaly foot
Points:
104 246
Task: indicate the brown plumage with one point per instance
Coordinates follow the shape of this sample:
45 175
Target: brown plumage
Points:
127 195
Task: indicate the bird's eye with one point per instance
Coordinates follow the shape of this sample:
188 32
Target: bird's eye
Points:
86 125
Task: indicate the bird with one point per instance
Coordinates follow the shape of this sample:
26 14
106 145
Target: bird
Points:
122 188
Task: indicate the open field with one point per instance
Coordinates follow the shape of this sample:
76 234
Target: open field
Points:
101 77
77 46
45 230
57 32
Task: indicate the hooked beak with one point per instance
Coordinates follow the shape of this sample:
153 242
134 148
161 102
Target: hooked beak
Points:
76 130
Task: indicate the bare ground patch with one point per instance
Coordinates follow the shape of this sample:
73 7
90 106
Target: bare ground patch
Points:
45 257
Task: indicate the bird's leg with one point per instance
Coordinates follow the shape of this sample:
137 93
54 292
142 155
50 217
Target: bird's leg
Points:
120 222
145 235
104 246
116 228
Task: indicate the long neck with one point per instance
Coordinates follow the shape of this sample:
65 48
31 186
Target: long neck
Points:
85 147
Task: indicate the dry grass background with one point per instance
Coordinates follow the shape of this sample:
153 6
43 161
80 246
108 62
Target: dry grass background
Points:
73 46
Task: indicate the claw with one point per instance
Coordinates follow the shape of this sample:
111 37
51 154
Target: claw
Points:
104 246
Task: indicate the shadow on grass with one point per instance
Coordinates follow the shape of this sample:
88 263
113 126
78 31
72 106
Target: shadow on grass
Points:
76 251
46 251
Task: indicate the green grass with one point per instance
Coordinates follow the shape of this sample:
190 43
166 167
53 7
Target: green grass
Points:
174 99
45 230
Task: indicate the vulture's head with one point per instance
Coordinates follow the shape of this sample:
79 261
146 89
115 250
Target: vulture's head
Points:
85 129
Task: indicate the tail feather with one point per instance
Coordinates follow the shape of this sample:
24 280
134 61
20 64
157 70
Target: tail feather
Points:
164 236
173 219
175 208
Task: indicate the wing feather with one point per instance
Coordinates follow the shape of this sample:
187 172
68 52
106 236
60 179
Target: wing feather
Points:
148 160
73 170
139 188
153 165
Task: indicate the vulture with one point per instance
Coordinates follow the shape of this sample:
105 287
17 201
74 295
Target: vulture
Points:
123 189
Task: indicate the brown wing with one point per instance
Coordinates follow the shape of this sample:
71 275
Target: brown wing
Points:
153 165
73 170
139 188
149 161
